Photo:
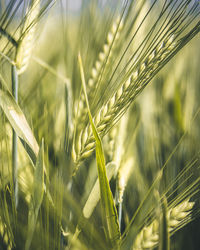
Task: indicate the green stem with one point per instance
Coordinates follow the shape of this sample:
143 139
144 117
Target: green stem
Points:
14 140
120 214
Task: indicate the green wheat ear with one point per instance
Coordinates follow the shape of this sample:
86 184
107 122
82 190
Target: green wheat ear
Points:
176 216
108 113
101 63
25 45
137 73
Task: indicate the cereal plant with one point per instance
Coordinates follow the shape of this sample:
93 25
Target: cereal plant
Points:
99 124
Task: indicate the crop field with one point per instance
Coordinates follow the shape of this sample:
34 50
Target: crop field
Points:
99 124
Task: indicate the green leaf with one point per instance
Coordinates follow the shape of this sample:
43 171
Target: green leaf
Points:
94 196
18 121
110 218
36 196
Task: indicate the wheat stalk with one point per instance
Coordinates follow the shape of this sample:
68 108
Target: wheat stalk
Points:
25 43
122 98
23 54
177 216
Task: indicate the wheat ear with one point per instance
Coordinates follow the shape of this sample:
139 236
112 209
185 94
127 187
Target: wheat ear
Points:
122 98
177 217
25 43
103 60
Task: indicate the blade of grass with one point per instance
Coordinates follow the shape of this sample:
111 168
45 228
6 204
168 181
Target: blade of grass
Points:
93 199
95 192
19 123
36 196
110 218
14 139
17 120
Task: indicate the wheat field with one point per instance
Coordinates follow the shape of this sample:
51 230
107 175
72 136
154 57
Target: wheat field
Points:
99 124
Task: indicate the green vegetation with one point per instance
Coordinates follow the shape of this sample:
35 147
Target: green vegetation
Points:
118 165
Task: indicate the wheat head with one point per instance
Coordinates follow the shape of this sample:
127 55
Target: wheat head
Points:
25 44
110 111
103 60
149 235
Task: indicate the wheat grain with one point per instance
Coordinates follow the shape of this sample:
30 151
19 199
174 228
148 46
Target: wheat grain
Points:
149 235
103 60
109 112
25 43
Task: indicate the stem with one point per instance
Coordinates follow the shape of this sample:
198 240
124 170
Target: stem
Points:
120 214
14 141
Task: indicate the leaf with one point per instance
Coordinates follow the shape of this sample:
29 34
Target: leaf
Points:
109 215
36 196
18 121
93 199
94 196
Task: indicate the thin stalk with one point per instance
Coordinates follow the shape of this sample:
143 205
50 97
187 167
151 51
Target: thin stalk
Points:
120 214
14 139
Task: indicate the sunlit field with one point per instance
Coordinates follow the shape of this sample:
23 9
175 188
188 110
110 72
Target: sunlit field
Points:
99 124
